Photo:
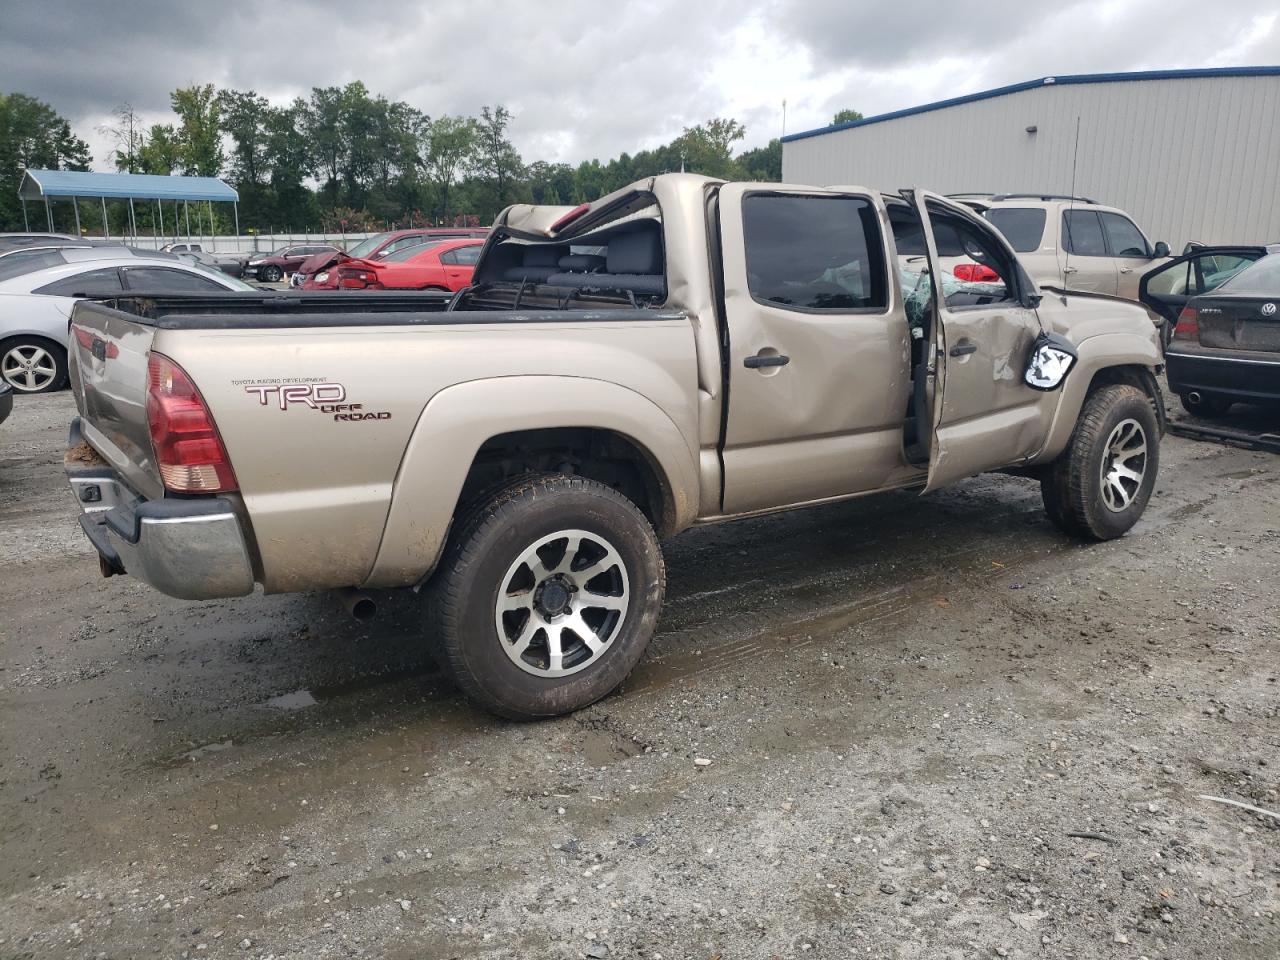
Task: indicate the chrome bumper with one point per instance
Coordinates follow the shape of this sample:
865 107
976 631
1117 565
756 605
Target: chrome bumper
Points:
191 549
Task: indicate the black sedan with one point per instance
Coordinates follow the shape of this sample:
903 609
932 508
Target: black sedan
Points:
1226 343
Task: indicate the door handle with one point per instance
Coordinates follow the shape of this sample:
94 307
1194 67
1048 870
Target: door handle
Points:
1126 269
963 349
759 360
1070 269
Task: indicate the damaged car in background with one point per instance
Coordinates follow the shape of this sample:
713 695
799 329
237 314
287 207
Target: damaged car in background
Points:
683 351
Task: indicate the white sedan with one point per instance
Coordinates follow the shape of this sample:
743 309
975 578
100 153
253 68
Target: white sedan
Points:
37 292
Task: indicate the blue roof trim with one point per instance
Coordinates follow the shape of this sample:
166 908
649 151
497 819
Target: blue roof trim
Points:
122 186
1188 74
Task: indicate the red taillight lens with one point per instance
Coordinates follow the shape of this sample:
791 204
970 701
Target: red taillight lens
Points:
1188 327
188 450
975 273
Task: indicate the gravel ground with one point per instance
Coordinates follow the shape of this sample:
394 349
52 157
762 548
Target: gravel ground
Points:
900 727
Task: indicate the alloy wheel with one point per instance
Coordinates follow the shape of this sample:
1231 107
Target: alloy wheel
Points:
562 603
28 368
1124 464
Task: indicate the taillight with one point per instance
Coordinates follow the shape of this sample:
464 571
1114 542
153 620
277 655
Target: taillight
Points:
1188 326
975 273
188 450
356 279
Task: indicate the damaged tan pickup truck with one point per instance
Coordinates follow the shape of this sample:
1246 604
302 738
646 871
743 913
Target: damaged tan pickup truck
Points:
683 351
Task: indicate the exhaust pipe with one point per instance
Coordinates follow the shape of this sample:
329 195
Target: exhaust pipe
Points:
357 603
1194 396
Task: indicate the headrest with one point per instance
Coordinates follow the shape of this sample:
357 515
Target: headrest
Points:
581 263
541 256
639 252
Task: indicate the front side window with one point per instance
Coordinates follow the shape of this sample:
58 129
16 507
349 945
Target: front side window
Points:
1125 238
106 280
1022 226
367 246
814 252
1082 233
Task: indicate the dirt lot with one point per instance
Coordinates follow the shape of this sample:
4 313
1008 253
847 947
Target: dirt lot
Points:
908 706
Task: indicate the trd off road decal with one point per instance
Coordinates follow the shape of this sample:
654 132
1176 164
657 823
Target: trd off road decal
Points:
323 396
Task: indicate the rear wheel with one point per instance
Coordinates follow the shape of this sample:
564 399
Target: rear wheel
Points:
547 596
33 364
1204 404
1099 487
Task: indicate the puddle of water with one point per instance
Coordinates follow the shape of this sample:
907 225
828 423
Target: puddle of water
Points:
298 700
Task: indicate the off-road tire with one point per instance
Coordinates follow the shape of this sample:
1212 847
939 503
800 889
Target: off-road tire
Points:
464 592
1209 405
55 353
1072 485
271 274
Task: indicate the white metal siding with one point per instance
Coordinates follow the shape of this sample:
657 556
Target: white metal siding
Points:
1189 159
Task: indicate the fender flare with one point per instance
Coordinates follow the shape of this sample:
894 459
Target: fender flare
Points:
1096 354
459 419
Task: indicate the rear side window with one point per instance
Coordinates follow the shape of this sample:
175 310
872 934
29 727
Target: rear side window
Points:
28 261
814 253
462 256
106 280
1082 233
160 280
1022 226
1125 238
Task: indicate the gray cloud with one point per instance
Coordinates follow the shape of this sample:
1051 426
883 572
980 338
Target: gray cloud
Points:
589 80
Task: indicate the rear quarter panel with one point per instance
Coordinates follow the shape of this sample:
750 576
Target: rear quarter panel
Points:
318 488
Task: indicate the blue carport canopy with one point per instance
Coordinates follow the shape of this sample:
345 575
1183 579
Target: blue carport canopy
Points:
45 184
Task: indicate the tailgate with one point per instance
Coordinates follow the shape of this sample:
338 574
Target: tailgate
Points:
108 365
1239 323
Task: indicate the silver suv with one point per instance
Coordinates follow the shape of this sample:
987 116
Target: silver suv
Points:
1073 242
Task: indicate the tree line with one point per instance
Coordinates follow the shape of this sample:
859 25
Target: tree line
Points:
344 159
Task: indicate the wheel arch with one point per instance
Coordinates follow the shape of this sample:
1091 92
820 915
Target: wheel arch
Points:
448 460
1104 359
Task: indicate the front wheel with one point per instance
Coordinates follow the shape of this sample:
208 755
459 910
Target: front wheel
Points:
271 274
1099 486
547 596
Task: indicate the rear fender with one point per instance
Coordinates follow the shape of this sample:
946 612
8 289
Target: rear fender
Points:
457 422
1096 355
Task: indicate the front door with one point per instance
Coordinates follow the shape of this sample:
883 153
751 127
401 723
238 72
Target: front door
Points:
816 346
984 416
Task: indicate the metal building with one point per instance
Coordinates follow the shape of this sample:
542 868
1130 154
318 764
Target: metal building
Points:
1189 154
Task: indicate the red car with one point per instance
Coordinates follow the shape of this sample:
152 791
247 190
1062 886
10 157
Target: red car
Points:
381 246
433 265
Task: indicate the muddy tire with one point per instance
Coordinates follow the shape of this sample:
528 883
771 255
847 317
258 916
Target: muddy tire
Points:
1099 487
1207 404
33 364
547 596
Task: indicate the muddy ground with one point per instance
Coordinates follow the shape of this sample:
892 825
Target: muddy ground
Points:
908 705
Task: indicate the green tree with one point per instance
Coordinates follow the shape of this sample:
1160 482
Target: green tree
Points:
846 116
497 159
452 149
199 135
32 137
242 115
762 163
128 134
708 147
161 150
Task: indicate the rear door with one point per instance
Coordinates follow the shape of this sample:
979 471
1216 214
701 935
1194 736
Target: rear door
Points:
1086 262
815 346
459 264
983 415
1167 288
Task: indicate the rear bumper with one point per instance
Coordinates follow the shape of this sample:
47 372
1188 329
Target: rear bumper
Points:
190 549
1244 375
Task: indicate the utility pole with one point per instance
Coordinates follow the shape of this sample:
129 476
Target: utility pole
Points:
784 118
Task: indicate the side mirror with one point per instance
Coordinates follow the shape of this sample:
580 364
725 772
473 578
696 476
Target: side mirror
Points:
1052 357
1162 249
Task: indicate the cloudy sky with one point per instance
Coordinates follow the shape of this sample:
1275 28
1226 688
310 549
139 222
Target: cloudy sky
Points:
586 78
